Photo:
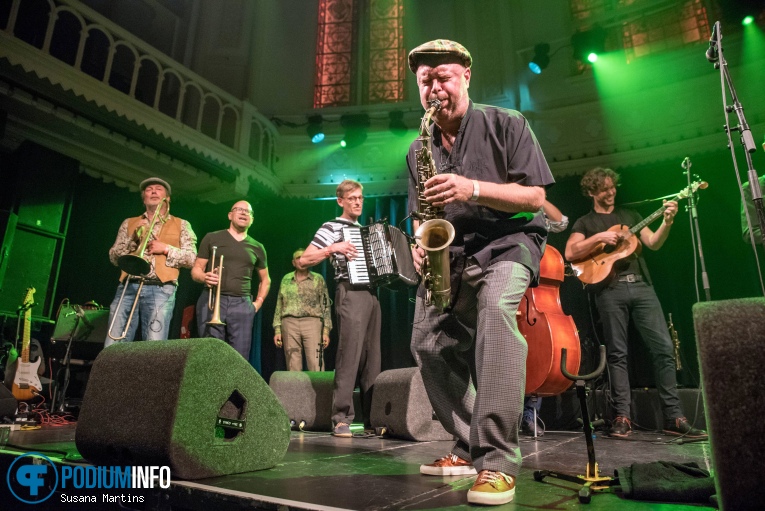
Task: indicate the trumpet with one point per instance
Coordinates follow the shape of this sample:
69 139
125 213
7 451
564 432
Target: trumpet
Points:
214 303
135 265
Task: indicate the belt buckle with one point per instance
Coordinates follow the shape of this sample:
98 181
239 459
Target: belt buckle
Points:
631 278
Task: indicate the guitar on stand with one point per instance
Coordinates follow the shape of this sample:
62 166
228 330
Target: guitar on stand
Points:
598 266
26 382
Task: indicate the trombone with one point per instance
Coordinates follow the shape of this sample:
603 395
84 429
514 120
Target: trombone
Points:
135 264
213 303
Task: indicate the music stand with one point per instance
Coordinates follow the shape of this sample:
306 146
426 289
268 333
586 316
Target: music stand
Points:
83 337
67 371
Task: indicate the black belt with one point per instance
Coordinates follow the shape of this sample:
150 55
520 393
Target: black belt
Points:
630 278
150 282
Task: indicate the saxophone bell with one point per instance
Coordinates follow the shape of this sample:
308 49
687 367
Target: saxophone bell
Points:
434 236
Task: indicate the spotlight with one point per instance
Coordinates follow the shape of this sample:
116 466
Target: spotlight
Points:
541 58
355 130
588 44
747 20
314 129
396 124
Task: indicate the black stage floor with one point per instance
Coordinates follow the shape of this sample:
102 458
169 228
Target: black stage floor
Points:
320 472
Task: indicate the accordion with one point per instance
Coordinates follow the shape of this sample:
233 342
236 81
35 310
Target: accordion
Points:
384 256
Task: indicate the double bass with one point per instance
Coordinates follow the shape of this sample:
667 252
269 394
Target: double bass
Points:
547 329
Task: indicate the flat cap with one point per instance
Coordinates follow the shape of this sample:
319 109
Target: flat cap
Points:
155 181
443 47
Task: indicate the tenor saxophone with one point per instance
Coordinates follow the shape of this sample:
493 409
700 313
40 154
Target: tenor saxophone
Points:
435 233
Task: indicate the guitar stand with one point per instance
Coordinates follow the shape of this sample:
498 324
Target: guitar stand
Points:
592 481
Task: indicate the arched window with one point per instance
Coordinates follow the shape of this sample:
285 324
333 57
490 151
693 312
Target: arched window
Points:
360 54
644 27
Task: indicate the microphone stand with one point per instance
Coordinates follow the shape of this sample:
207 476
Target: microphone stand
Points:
321 333
696 232
746 139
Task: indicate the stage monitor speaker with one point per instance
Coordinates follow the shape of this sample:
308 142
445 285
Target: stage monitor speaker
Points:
731 336
8 403
401 406
194 405
306 396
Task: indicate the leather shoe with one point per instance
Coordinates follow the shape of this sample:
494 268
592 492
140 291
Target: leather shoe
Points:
681 427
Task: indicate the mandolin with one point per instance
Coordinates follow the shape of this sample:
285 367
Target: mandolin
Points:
26 383
598 266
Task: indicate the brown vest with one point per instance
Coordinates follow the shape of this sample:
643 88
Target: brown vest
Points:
170 234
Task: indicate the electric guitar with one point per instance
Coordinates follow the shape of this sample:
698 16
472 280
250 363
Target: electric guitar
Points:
598 266
26 383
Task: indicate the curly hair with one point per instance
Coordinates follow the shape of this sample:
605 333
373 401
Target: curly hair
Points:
347 186
594 180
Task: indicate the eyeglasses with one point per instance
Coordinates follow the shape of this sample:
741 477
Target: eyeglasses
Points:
354 199
242 210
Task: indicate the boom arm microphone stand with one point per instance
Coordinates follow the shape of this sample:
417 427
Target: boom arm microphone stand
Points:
696 233
715 55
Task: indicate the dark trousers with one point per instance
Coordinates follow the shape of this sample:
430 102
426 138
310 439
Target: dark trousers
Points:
237 312
616 304
358 351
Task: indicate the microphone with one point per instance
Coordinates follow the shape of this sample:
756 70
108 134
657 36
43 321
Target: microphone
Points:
686 163
712 52
81 314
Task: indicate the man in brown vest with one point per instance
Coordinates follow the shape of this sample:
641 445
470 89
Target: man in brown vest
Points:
172 245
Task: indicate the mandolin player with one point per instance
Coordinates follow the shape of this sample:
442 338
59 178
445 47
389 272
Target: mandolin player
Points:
628 294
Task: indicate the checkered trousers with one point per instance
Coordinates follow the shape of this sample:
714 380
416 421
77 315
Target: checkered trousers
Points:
473 364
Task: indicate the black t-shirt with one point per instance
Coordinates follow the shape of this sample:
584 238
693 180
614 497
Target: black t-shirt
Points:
594 222
495 145
240 259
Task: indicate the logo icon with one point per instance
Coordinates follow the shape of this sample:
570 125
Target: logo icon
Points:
26 478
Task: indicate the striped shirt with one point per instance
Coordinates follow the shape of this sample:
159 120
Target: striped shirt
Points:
329 233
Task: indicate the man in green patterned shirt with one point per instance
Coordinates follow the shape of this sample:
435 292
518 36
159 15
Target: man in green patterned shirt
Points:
302 319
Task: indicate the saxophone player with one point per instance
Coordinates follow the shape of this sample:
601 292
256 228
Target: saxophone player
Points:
489 177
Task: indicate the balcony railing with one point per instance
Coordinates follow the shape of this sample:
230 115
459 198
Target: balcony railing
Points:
88 42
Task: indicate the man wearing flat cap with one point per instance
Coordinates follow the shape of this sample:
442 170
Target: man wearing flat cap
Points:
171 245
490 178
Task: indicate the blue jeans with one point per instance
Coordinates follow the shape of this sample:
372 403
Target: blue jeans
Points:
637 300
154 311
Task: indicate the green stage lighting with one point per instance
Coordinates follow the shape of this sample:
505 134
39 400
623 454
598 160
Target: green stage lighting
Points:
356 127
592 57
588 43
748 20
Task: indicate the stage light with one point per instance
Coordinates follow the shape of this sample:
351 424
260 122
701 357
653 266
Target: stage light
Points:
396 123
314 129
588 44
541 58
355 130
747 20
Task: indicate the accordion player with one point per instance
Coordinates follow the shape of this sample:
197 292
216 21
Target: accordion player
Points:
384 258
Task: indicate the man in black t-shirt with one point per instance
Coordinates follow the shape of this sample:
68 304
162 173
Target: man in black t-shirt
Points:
242 258
629 295
490 179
